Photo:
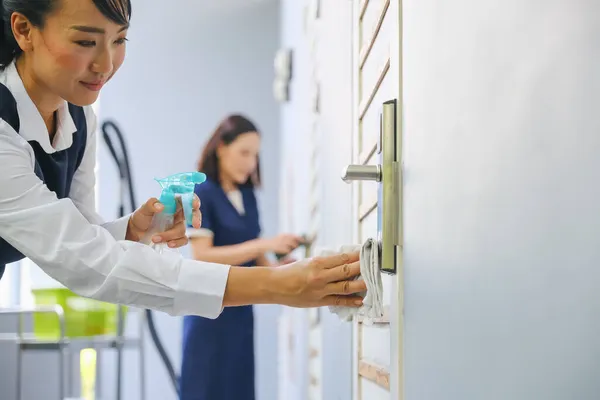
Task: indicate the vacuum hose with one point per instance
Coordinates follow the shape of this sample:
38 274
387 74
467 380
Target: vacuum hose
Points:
124 168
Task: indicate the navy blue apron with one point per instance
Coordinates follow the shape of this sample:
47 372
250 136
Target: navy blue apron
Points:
55 170
218 354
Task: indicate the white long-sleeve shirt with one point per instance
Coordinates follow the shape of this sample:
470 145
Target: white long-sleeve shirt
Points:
67 238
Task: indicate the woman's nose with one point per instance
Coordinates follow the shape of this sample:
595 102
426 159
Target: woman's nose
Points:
103 63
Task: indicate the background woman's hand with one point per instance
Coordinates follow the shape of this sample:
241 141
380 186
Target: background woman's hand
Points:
283 243
321 281
285 261
141 221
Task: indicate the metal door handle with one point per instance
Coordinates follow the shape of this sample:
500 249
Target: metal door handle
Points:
388 174
362 173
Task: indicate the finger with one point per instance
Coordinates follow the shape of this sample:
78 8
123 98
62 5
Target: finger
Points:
343 272
290 244
344 301
175 233
178 243
196 214
151 207
286 260
285 246
197 219
180 214
142 217
179 217
346 287
284 250
337 260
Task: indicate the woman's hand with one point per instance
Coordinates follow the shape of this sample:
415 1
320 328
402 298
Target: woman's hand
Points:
141 220
285 261
282 244
320 281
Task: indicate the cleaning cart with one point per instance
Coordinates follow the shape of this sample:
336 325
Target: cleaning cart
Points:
66 323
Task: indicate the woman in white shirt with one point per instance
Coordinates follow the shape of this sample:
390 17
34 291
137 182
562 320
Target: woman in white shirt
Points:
55 56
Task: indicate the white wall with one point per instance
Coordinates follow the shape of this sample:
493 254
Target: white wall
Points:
188 65
334 69
334 61
294 127
502 168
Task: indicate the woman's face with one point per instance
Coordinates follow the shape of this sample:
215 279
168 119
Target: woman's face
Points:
238 160
76 51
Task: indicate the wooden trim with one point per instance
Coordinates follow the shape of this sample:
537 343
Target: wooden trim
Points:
364 52
384 320
358 356
363 9
366 154
365 103
378 375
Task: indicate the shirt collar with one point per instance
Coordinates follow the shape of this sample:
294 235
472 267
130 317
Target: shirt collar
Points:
32 126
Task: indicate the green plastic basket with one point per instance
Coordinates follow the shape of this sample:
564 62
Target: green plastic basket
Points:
83 317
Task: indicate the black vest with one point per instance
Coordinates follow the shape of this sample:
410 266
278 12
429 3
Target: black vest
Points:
55 170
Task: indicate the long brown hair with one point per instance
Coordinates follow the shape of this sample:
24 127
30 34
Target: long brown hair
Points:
227 131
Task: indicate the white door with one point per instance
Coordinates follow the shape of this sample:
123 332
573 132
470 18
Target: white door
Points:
496 290
501 199
378 347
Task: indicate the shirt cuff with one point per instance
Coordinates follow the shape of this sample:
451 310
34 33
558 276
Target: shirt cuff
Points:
201 288
118 228
196 233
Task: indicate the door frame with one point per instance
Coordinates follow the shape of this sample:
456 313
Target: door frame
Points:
396 371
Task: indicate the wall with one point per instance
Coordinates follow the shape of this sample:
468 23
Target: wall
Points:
187 67
334 70
501 200
334 61
294 180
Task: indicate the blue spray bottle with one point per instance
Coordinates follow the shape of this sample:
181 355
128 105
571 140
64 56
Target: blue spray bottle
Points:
177 189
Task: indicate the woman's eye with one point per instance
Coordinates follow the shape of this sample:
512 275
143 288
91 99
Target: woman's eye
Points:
91 43
86 43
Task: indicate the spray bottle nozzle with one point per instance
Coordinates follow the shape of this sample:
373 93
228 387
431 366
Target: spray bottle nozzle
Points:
182 185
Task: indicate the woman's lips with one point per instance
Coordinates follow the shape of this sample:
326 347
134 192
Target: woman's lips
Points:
93 86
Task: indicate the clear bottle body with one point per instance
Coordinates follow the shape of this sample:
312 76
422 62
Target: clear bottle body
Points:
164 221
161 222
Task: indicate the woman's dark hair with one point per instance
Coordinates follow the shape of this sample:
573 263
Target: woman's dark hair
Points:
228 130
118 11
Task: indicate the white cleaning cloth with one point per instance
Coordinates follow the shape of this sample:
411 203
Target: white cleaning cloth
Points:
372 307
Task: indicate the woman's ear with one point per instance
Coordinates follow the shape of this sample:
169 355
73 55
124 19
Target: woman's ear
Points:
22 31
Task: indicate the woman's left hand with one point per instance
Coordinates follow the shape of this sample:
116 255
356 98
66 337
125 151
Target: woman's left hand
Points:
141 220
285 261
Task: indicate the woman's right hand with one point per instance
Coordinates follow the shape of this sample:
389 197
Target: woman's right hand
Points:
320 281
283 244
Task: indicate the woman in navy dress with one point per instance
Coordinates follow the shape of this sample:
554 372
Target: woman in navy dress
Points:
218 354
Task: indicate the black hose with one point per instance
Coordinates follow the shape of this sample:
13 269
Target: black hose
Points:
124 166
125 174
162 352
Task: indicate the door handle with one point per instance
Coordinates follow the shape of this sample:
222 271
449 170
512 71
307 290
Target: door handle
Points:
362 173
387 174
